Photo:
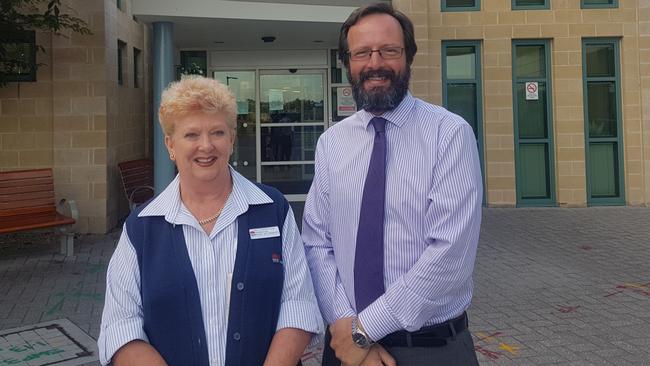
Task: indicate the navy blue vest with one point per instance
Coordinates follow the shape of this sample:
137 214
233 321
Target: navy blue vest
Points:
170 297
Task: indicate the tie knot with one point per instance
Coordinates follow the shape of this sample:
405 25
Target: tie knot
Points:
379 124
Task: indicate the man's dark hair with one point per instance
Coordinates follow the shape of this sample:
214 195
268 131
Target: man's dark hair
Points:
378 8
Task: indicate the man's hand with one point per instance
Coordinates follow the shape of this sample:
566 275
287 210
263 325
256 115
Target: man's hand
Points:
137 353
378 356
346 351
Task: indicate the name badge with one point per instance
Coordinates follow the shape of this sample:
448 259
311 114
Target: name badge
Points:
264 232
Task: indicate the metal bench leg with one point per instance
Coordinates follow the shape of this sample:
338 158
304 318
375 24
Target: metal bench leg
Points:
67 244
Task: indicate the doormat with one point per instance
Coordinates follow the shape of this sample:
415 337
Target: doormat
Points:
57 342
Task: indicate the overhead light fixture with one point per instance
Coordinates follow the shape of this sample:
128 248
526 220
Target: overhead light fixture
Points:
268 39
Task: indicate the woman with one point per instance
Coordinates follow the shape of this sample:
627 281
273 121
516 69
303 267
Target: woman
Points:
211 271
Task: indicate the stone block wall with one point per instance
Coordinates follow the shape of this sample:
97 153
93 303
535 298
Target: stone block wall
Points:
129 106
644 72
68 118
565 24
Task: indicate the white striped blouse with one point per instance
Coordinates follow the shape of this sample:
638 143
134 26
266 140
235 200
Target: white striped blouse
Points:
432 217
213 261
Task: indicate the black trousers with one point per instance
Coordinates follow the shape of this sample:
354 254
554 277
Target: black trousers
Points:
456 352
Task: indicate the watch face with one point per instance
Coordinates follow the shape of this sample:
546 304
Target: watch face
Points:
360 340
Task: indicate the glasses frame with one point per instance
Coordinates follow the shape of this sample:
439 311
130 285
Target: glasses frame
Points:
380 51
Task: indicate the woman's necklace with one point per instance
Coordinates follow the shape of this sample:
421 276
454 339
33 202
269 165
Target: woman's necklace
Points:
210 219
214 218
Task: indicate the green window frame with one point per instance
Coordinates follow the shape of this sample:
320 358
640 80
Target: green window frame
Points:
604 161
591 4
530 4
121 56
465 5
474 80
534 155
137 68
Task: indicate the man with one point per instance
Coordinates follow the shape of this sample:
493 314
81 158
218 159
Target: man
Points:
392 219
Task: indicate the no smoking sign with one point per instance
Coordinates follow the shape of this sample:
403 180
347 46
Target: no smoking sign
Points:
532 90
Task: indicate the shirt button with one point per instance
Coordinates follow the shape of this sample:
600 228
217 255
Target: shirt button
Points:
236 336
240 286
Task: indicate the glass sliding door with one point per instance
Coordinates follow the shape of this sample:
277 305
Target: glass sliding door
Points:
292 117
534 162
242 84
603 145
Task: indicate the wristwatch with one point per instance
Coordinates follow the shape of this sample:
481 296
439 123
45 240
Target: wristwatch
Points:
359 336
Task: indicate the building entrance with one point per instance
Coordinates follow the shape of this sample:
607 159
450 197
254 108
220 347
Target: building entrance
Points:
280 115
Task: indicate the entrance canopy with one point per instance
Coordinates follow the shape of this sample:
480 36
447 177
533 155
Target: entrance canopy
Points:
237 25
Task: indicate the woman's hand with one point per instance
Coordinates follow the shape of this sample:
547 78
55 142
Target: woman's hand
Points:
137 353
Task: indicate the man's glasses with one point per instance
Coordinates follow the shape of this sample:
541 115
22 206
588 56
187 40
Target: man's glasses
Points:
387 53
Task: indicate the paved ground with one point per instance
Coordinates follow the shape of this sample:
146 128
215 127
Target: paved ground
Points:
553 286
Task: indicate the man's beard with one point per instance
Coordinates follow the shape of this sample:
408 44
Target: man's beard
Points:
379 99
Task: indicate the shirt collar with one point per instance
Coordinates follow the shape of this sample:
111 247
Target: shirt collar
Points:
398 116
244 193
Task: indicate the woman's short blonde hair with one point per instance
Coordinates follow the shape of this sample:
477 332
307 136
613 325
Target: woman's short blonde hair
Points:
196 94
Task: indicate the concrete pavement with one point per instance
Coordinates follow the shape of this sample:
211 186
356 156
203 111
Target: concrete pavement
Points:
552 286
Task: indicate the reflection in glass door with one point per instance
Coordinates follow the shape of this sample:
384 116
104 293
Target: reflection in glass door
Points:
292 117
242 84
278 125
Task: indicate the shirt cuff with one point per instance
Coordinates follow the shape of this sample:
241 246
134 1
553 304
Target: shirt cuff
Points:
117 335
302 315
377 320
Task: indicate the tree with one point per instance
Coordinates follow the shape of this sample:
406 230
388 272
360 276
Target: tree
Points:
17 18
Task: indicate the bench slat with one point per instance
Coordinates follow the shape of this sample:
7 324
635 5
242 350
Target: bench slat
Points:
24 182
26 174
18 189
27 198
36 205
30 222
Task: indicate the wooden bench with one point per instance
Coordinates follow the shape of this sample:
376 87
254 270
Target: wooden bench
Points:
27 202
137 180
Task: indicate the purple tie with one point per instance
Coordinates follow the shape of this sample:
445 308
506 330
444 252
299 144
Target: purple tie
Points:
369 256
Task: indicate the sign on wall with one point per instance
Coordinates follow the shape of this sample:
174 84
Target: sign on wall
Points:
345 105
532 90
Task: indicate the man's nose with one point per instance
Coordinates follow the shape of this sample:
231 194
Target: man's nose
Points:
375 59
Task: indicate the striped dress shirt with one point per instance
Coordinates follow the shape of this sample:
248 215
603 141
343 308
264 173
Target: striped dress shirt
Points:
213 260
432 217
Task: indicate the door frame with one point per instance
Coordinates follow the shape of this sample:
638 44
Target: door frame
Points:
549 140
259 71
604 201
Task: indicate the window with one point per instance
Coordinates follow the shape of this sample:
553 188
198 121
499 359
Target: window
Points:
529 4
120 4
19 60
121 55
531 89
460 5
599 3
602 109
137 68
461 76
194 62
